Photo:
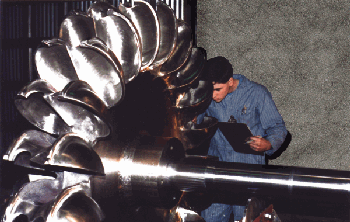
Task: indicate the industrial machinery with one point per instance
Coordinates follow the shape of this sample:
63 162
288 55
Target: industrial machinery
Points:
79 170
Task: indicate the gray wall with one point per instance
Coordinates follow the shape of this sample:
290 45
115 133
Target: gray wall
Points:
300 51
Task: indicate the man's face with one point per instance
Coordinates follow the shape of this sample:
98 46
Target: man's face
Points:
221 90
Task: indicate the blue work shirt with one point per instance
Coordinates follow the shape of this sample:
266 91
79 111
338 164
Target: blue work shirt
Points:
252 104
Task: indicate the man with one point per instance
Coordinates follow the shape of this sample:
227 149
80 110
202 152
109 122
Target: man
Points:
247 102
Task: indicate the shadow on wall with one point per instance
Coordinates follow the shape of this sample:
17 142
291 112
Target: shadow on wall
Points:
283 147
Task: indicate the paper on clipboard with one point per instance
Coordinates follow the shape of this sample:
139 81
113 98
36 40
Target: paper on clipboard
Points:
237 134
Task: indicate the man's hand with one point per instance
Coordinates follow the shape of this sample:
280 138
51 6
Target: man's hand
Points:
259 144
194 120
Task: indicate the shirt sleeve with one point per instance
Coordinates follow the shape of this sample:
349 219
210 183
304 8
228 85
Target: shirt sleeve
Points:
200 117
272 122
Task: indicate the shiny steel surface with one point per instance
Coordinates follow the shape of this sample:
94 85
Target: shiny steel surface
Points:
47 200
37 86
76 28
145 20
143 170
259 180
71 151
31 104
181 126
195 94
168 33
181 52
185 104
82 77
192 134
135 171
41 106
86 123
79 92
28 200
190 71
75 205
32 142
99 9
114 29
54 64
94 65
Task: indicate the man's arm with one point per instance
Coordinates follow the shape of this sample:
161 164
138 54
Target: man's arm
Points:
198 119
272 123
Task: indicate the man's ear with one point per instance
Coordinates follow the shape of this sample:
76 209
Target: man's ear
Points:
230 82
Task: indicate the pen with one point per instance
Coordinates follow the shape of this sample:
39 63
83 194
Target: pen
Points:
249 141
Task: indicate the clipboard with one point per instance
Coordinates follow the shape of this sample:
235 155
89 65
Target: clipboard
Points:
237 134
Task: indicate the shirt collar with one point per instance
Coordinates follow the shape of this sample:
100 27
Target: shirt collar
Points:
242 80
242 84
